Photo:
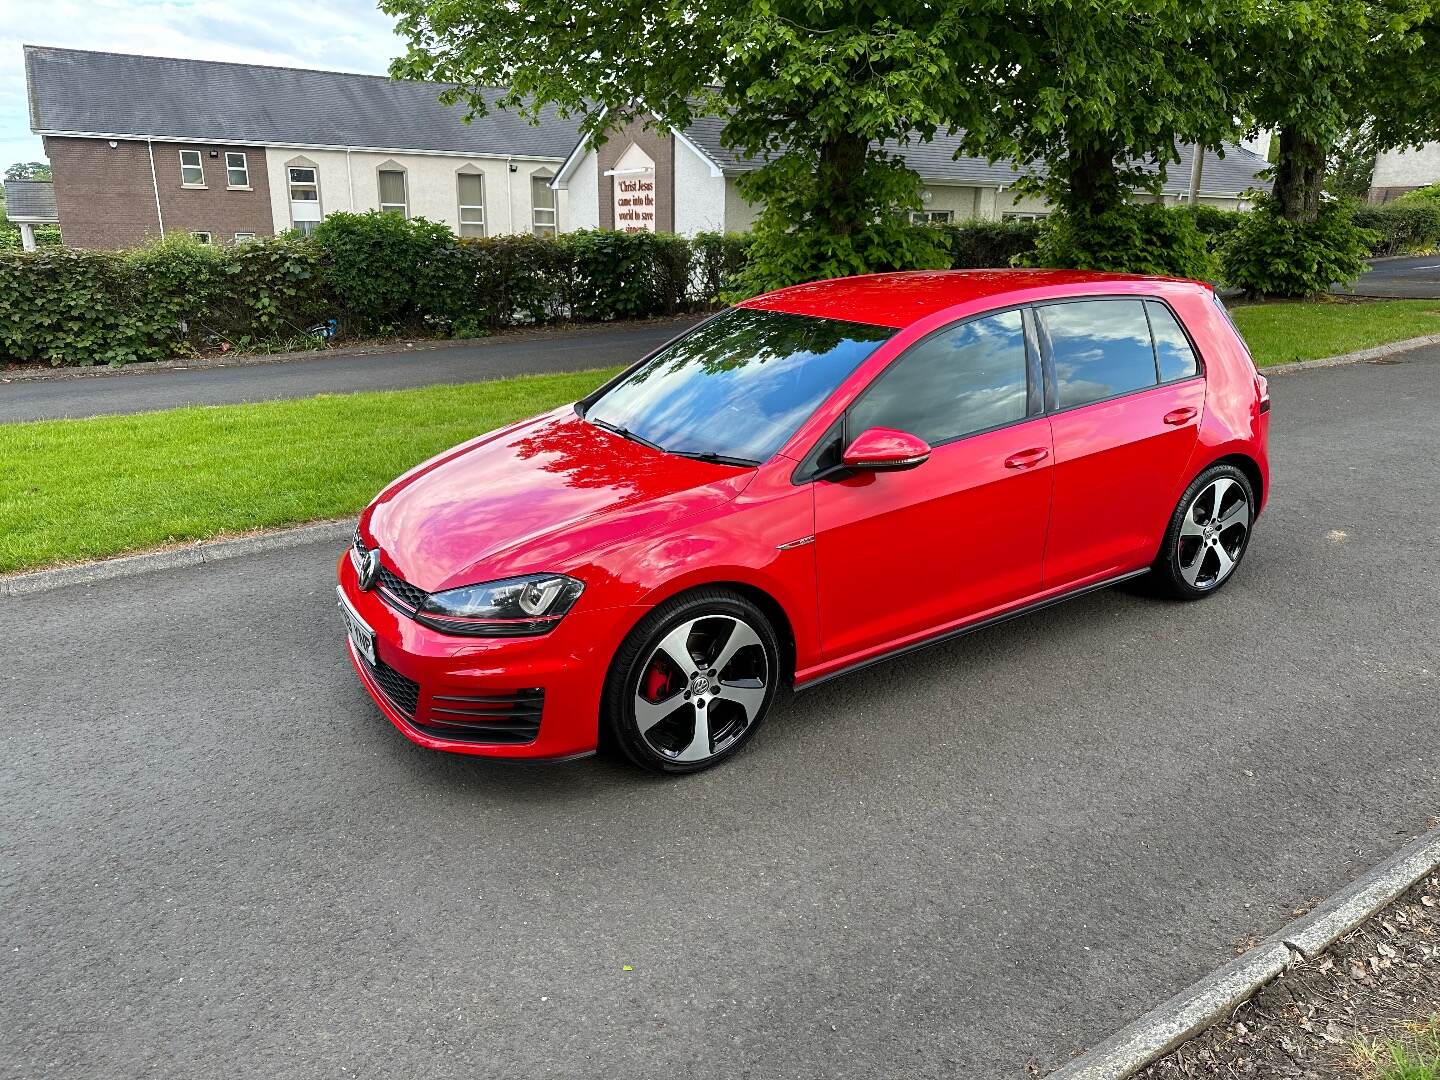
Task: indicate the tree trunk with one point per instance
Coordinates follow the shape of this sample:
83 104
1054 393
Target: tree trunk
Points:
1094 184
1299 175
842 158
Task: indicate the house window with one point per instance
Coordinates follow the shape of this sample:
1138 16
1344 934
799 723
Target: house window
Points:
203 237
1016 216
930 217
542 200
472 203
192 172
237 172
239 236
304 183
392 192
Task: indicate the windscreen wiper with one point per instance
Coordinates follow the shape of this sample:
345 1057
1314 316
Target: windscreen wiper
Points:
718 459
625 433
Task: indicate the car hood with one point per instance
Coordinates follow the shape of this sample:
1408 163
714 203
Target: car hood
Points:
539 495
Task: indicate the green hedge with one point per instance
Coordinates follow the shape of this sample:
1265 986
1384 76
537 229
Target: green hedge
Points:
1407 224
374 274
979 245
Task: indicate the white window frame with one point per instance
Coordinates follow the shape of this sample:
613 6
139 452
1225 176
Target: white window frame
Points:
303 224
243 167
199 166
931 217
403 207
1023 215
203 236
243 235
464 206
539 226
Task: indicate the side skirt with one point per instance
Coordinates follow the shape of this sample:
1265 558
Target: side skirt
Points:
970 628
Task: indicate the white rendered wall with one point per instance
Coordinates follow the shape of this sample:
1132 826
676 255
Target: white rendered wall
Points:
699 195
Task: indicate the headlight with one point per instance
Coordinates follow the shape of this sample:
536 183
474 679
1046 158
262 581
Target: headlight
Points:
515 607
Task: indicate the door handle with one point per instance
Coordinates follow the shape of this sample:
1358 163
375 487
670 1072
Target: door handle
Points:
1026 458
1178 416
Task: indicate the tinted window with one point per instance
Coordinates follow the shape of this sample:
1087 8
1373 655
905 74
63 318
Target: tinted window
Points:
1101 349
1172 347
739 385
968 378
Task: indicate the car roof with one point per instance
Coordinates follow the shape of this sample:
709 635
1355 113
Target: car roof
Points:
901 299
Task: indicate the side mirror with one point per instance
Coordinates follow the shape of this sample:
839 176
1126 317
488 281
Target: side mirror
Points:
885 450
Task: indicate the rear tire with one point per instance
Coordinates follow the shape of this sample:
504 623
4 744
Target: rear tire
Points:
692 683
1207 535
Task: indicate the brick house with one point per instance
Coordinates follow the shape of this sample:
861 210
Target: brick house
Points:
142 146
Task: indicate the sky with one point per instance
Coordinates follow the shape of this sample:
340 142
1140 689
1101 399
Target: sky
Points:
339 35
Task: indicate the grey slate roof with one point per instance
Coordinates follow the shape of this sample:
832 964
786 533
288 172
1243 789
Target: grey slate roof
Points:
31 200
936 161
102 93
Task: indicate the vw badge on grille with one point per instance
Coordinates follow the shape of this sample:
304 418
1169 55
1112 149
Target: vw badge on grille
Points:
369 569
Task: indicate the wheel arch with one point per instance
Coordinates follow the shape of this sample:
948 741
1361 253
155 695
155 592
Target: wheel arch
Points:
1250 467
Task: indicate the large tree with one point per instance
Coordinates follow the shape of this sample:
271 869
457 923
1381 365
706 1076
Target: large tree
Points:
813 88
1319 70
28 170
1099 92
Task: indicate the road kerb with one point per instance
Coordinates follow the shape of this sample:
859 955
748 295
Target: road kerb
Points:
1191 1011
203 551
1377 353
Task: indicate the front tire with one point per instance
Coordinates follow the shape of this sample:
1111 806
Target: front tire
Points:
693 682
1207 535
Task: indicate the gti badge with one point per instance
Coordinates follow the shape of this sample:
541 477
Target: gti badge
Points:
369 569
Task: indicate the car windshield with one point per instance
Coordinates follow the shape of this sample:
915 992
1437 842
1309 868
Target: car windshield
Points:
737 386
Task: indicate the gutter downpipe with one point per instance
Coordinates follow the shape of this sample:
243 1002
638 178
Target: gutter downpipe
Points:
155 184
510 193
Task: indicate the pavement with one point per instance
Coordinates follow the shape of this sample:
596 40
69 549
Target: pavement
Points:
499 357
220 860
1416 278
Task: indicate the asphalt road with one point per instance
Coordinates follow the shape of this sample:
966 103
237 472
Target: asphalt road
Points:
496 358
1414 278
219 860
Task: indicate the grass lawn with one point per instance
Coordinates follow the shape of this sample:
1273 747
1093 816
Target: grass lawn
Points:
1414 1054
1309 329
82 489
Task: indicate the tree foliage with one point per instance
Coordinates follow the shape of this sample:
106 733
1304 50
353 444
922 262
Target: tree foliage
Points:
28 170
821 92
1269 254
1097 93
1325 73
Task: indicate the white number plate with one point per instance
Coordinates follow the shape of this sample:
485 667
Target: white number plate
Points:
361 636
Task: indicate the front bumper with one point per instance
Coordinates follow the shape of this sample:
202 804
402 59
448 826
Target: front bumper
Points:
560 674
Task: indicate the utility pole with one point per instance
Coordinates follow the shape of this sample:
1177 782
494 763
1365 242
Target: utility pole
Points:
1196 167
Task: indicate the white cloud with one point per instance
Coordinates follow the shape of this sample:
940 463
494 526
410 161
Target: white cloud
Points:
341 35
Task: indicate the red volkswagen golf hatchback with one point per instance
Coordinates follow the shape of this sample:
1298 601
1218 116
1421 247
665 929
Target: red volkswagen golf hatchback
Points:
816 480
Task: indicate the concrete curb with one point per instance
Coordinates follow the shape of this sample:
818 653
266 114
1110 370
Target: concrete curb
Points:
203 551
1355 357
1191 1011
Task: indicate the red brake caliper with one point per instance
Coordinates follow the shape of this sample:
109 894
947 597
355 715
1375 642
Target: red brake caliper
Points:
657 683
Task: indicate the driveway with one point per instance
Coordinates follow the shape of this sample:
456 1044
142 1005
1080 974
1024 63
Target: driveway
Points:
136 390
220 860
1416 278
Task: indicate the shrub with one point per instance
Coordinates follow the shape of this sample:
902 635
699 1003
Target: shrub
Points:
1270 256
1136 238
373 273
389 272
976 244
1213 223
1401 225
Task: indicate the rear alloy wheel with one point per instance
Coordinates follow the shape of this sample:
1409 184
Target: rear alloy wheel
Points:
1208 533
693 682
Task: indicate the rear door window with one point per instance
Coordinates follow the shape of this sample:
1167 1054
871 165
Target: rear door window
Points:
1101 349
965 379
1173 352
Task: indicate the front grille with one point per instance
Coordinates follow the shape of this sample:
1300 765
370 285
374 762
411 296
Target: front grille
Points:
394 589
401 692
498 717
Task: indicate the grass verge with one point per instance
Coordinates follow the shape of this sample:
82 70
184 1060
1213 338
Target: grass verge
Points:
85 489
1411 1054
1310 329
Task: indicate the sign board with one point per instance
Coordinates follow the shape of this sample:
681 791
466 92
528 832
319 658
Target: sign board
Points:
635 201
